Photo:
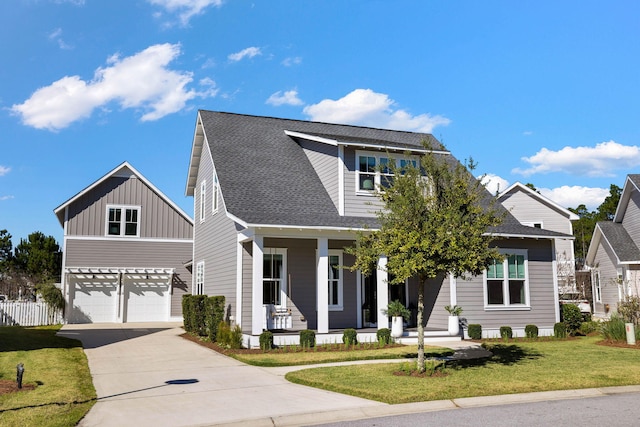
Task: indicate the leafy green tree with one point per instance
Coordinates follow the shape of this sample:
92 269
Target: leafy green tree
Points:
583 230
6 250
435 221
39 257
607 210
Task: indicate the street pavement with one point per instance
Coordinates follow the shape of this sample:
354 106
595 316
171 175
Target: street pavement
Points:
147 375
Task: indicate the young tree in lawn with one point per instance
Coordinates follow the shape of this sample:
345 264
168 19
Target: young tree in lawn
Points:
436 220
39 257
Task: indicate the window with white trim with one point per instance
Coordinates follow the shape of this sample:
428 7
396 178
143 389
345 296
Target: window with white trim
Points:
203 198
507 281
597 288
374 170
335 280
199 283
214 202
123 221
274 273
535 224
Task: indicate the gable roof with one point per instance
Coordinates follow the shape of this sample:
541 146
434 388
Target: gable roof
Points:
631 184
267 179
122 170
517 186
618 239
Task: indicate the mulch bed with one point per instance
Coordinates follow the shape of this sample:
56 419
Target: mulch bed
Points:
9 386
619 344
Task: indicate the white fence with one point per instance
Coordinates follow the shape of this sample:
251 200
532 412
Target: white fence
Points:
25 313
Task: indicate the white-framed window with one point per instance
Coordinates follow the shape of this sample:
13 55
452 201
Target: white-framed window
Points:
335 281
274 277
506 282
199 283
597 287
373 170
123 221
203 199
214 190
536 224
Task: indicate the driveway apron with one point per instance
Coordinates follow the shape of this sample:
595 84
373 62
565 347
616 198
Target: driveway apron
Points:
145 374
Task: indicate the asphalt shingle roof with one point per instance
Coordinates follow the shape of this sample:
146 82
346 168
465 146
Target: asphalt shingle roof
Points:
621 242
266 178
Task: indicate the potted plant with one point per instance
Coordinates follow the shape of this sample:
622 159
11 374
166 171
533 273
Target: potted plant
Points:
454 319
398 313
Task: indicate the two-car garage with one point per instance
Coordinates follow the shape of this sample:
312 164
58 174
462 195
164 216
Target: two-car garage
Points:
99 295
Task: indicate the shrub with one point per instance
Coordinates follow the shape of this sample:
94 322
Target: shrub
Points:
214 314
223 336
187 320
397 309
572 317
587 328
350 336
506 332
531 331
235 337
384 336
629 309
475 331
614 329
266 340
307 338
560 330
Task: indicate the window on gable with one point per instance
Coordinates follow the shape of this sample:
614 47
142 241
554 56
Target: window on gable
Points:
123 221
375 170
597 288
203 198
335 280
506 281
214 202
199 283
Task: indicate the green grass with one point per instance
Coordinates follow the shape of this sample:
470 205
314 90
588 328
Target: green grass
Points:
516 367
310 357
57 366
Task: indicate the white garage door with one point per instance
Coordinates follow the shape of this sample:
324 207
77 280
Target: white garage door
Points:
146 300
93 300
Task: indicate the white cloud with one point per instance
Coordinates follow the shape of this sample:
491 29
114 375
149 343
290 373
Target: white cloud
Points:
141 81
4 170
249 52
186 9
596 161
288 62
573 196
367 108
494 183
2 198
527 133
56 35
290 97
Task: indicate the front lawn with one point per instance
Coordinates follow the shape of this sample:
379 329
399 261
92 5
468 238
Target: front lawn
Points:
516 367
57 370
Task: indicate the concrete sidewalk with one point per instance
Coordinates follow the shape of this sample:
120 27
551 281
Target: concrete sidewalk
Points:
146 375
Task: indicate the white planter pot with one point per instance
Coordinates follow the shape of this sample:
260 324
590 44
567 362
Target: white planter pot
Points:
397 326
454 326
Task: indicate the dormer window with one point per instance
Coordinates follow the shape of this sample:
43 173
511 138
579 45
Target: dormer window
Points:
374 171
123 221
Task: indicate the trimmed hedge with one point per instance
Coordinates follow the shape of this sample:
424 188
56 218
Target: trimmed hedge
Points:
350 336
214 310
202 314
506 332
531 331
572 317
475 331
266 340
307 338
384 336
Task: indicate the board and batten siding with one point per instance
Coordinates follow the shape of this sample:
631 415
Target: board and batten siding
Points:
631 219
215 239
324 159
158 219
470 293
605 265
119 253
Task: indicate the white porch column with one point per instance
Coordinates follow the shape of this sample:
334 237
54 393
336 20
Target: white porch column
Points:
382 291
256 286
322 285
453 290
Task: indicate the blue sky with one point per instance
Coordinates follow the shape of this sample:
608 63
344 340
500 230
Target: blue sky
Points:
545 92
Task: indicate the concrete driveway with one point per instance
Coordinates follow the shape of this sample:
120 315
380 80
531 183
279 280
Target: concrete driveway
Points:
146 375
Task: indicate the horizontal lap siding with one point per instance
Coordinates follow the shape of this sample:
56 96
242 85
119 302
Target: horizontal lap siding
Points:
356 204
605 264
158 219
247 279
541 292
142 254
324 159
631 220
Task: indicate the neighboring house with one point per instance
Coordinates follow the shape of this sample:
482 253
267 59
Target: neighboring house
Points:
614 253
126 251
535 210
276 201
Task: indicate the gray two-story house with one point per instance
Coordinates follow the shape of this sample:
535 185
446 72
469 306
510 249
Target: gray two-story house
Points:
276 201
127 251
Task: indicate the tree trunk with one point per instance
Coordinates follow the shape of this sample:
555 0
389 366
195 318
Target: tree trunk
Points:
421 366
